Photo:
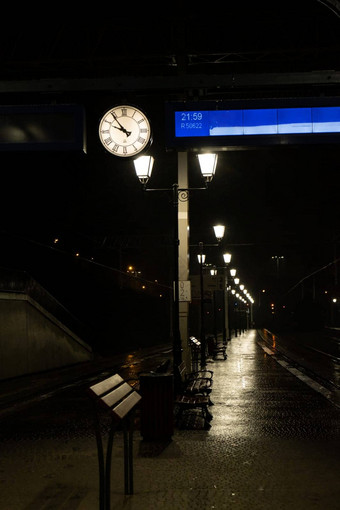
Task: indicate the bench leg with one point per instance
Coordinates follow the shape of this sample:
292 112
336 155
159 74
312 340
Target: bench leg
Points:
108 469
207 418
101 462
128 455
207 414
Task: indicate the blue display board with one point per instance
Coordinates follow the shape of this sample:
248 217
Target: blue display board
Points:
198 124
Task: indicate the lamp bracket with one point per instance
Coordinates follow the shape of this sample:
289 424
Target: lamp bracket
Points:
182 193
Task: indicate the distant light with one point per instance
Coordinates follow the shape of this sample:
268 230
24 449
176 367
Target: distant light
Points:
227 258
219 231
77 254
56 240
334 300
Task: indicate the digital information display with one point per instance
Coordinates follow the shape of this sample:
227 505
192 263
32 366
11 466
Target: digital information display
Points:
246 123
267 121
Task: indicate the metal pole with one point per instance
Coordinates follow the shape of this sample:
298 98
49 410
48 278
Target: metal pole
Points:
215 315
101 460
224 331
177 343
203 342
227 306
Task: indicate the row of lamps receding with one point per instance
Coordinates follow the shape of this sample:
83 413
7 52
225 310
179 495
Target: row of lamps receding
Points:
219 231
143 167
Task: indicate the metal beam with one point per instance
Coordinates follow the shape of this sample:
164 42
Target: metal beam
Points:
170 83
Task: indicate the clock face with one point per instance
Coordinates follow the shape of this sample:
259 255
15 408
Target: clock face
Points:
124 131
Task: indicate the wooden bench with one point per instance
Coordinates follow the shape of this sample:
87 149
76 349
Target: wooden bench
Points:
216 349
195 347
119 399
191 419
193 399
200 381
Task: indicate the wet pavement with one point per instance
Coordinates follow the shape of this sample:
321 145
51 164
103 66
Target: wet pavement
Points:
273 444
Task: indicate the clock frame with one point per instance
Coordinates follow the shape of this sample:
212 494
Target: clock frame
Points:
125 131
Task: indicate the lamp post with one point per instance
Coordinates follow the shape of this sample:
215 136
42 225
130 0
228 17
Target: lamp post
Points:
143 167
201 260
219 233
226 330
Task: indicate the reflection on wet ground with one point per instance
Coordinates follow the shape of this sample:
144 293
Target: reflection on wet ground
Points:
273 444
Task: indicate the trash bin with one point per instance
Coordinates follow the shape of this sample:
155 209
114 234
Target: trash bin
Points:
157 406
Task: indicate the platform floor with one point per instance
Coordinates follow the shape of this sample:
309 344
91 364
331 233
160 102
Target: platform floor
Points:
273 444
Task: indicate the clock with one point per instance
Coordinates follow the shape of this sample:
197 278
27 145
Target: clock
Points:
125 131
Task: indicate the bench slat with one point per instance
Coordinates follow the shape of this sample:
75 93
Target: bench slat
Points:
116 395
102 387
126 405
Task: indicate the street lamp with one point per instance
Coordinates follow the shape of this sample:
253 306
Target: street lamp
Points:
227 258
208 164
233 272
226 330
143 167
219 234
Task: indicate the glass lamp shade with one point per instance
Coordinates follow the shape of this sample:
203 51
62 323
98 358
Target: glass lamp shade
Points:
237 281
219 231
143 168
227 258
233 272
201 258
207 163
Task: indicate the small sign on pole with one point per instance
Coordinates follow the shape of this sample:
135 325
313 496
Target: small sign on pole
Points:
184 288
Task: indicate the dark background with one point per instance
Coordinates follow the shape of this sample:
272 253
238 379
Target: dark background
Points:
280 200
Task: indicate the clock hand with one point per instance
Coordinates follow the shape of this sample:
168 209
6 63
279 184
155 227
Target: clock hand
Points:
121 128
128 133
